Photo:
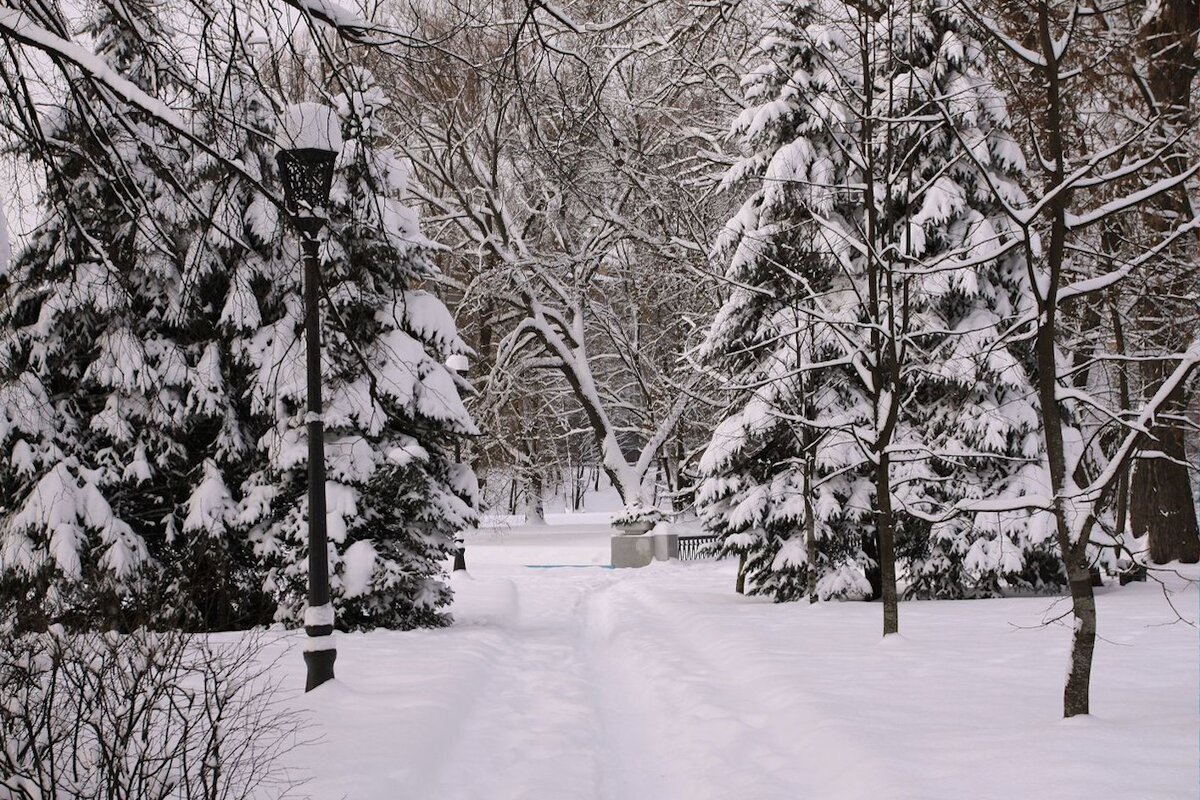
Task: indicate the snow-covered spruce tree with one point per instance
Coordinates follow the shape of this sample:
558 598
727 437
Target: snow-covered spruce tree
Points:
886 311
969 424
775 485
396 496
234 259
93 378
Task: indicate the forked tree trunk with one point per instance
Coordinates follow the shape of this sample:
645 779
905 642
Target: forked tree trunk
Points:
1074 554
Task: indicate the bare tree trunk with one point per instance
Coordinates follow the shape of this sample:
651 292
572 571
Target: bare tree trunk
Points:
1074 554
885 371
535 512
741 575
1083 603
886 525
810 532
1161 504
870 548
1083 641
578 487
1123 393
671 475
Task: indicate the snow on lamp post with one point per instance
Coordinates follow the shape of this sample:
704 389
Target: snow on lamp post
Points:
311 139
458 363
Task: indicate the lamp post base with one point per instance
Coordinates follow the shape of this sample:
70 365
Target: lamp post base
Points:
320 667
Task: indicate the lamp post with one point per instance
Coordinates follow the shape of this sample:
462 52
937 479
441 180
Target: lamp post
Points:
311 141
458 363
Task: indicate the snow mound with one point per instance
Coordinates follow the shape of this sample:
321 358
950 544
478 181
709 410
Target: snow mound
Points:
491 602
310 126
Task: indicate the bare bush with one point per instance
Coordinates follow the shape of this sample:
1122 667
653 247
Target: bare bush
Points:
143 716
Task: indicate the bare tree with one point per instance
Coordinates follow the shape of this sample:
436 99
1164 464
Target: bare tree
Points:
1092 172
144 716
549 151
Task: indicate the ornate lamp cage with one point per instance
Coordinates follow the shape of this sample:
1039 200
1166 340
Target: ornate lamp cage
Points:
307 175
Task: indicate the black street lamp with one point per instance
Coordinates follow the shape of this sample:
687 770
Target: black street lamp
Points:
312 140
458 363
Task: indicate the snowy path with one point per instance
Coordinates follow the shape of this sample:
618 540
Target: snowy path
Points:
535 731
730 719
597 693
662 684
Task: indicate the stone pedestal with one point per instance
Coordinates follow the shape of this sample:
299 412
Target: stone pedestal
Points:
666 546
632 551
640 550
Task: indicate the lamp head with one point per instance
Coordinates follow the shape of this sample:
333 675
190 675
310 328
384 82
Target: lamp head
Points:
310 138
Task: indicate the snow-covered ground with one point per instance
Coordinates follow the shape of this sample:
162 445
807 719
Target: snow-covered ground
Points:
563 682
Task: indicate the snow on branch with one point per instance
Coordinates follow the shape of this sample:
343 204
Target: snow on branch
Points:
22 28
994 30
1130 445
1133 200
348 25
1102 282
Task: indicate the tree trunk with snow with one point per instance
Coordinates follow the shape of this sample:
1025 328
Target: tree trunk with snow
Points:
886 524
1076 693
1074 554
1080 201
810 545
535 512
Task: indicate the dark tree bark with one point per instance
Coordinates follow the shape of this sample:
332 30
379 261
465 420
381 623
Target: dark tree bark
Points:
886 525
1161 504
1074 551
810 530
535 513
870 548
